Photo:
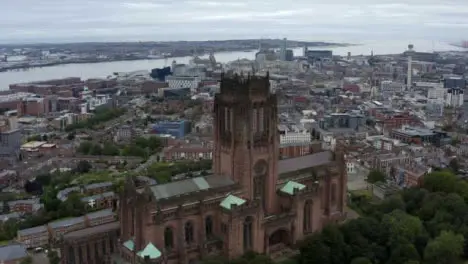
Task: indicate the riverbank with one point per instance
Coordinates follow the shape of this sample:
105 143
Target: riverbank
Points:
105 69
37 64
49 64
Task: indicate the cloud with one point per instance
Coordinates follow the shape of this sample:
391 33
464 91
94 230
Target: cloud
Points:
142 5
122 20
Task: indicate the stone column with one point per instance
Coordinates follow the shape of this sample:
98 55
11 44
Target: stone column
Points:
84 252
202 233
77 253
107 242
328 195
181 241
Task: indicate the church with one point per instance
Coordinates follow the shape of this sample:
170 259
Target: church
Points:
253 201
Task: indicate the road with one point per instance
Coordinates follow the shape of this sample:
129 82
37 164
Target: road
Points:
152 159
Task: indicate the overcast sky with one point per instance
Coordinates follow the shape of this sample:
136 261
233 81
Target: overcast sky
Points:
138 20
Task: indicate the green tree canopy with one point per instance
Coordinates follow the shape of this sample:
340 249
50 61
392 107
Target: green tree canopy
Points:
444 249
375 176
27 260
402 253
440 181
402 226
361 260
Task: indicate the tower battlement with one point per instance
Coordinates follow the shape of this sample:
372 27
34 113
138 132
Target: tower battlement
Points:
240 84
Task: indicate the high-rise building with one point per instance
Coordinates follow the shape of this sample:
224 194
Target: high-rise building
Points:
409 54
10 139
284 49
253 201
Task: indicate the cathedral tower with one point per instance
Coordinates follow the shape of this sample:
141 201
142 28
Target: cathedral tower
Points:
246 146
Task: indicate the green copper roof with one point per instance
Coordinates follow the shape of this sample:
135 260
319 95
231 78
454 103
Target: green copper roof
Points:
129 244
290 186
231 200
151 251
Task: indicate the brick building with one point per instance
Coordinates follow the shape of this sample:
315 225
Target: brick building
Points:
260 204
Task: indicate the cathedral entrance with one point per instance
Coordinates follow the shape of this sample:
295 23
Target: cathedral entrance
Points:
279 240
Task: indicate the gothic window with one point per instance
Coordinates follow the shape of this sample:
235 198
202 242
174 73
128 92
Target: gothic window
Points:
226 115
258 187
261 119
71 255
96 250
307 222
132 222
111 242
255 120
224 228
189 232
333 194
208 226
88 251
248 229
168 238
80 254
103 244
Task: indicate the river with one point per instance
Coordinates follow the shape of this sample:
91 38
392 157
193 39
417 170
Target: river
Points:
104 69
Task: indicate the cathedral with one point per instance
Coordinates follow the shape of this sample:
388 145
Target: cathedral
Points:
253 201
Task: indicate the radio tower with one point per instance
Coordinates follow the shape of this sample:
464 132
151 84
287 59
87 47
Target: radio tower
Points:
409 54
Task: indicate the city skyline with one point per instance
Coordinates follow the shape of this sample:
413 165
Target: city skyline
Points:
336 20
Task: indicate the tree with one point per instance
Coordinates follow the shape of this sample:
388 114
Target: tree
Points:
83 166
71 136
453 164
34 138
333 238
95 150
314 251
26 260
444 249
392 203
53 257
45 138
110 150
440 181
44 179
73 206
361 260
375 176
402 253
402 227
85 147
154 143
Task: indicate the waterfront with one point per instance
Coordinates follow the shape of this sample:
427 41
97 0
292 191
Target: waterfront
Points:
102 70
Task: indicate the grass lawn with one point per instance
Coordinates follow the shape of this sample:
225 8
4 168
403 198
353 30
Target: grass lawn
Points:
95 177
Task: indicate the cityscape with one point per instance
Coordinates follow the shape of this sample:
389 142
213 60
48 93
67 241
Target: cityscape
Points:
240 151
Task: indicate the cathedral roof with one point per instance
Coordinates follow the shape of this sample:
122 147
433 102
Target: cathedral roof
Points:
290 186
231 200
304 162
129 244
174 189
150 251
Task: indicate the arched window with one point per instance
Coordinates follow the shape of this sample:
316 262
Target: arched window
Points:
168 238
258 187
189 232
307 223
208 226
333 194
248 228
